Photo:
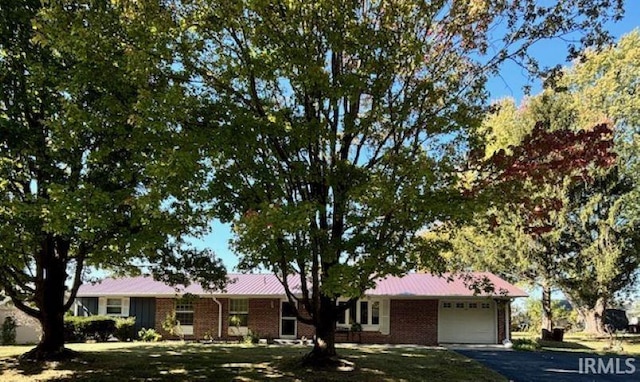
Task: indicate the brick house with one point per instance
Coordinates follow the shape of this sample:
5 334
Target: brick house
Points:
418 308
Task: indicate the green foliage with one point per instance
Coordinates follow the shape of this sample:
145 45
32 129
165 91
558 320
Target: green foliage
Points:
9 331
583 224
526 344
125 328
97 168
99 328
251 338
171 325
561 316
149 335
338 128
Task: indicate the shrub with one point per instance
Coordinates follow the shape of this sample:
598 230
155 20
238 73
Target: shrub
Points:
149 335
172 326
125 328
9 331
251 337
79 329
526 344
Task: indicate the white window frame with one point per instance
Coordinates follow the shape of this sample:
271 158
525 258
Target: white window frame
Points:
238 330
120 306
365 327
124 306
186 329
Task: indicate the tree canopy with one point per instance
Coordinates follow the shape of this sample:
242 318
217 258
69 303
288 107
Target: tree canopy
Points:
571 230
339 128
95 166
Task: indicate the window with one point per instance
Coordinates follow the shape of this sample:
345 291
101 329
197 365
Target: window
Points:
473 305
349 315
363 312
375 313
114 306
238 312
184 312
446 305
288 322
460 305
486 305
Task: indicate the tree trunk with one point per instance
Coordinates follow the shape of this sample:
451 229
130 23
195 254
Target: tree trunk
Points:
51 301
547 315
594 317
324 343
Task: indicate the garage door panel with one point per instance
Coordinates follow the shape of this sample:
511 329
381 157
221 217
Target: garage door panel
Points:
466 322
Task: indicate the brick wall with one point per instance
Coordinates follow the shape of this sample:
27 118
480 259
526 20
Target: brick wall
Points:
205 317
164 306
305 330
264 317
414 322
502 305
411 321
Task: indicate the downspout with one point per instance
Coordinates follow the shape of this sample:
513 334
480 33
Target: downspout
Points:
219 316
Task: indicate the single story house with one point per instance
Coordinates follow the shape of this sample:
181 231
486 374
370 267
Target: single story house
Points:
418 308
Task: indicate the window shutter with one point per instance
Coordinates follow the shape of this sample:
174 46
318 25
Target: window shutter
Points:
102 306
384 316
125 306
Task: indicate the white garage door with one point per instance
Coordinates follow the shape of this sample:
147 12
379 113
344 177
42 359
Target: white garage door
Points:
467 322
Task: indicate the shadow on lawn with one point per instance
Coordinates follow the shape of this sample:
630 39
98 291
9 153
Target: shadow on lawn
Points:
196 362
563 345
180 362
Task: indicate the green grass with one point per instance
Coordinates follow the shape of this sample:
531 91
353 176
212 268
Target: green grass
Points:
580 342
175 361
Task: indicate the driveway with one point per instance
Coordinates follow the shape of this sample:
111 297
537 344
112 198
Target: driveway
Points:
523 366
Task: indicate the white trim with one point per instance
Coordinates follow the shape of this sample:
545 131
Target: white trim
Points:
495 303
369 327
103 306
238 330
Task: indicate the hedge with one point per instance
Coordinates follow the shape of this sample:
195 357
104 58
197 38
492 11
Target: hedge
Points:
80 329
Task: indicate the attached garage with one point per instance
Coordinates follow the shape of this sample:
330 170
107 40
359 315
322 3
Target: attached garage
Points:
467 321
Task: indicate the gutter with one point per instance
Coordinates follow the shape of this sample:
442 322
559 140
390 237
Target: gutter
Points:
219 316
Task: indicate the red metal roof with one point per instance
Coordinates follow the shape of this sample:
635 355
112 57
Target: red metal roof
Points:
410 285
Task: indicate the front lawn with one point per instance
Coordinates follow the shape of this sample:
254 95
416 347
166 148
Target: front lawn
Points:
175 361
580 342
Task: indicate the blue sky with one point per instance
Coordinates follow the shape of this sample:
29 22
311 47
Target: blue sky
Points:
509 84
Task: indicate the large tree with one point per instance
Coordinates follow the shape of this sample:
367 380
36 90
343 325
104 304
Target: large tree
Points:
560 231
521 236
600 244
94 162
341 124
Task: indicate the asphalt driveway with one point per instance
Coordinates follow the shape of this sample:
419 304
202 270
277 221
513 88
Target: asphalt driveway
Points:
522 366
